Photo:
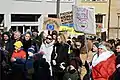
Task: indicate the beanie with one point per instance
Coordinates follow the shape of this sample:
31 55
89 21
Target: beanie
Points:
31 49
103 47
96 44
18 44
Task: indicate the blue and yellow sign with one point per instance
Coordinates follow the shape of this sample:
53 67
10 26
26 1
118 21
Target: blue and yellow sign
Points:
51 23
69 29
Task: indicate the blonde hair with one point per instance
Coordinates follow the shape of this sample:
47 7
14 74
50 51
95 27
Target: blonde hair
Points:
63 38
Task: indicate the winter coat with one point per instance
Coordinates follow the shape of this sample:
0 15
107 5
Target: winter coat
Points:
27 45
60 54
46 50
41 71
8 47
116 75
18 66
103 66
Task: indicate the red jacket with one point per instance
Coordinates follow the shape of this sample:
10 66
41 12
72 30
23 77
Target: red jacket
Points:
20 54
103 66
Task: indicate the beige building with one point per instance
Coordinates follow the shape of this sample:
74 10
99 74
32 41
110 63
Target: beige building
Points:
101 13
102 16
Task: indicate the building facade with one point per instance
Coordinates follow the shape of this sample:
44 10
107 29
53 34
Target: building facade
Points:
101 14
26 14
115 19
107 14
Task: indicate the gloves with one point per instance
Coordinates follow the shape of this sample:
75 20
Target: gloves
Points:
62 65
54 62
13 59
30 53
118 66
20 61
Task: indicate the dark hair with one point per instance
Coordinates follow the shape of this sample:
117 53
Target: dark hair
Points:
74 38
5 33
35 30
54 32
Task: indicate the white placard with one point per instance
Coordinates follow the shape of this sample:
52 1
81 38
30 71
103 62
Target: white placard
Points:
84 19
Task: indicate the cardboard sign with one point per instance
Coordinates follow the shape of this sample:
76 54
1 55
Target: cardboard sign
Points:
84 19
66 17
51 23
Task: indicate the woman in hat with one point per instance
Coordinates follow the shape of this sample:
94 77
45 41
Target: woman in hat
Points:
103 64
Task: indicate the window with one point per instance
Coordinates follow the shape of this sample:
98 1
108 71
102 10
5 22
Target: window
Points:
1 21
25 17
99 18
52 15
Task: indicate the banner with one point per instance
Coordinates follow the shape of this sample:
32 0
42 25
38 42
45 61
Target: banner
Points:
84 19
66 17
69 29
51 24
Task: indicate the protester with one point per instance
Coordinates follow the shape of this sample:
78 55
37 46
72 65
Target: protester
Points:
16 36
103 64
18 60
27 43
36 38
59 57
73 70
54 35
46 50
116 75
7 46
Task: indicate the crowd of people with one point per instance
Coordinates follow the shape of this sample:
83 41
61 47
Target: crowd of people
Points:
53 56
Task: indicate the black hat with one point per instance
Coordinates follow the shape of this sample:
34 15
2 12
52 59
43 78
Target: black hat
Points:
54 32
96 44
35 30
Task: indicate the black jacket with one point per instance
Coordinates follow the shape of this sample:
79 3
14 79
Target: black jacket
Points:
62 55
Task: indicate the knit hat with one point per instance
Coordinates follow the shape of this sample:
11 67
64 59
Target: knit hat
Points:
31 49
18 44
35 30
96 44
103 47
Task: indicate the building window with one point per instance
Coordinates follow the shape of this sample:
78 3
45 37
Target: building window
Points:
52 15
1 22
25 17
99 18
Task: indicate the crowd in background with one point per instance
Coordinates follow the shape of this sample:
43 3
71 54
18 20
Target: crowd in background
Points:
53 56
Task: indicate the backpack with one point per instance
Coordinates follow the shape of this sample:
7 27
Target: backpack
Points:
71 76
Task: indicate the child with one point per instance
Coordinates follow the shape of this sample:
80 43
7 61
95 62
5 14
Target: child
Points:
18 60
18 52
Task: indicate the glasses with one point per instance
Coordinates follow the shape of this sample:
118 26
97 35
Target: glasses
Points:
49 38
78 45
